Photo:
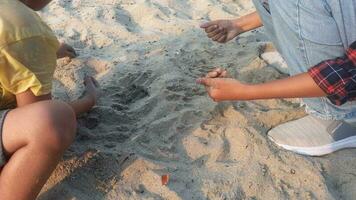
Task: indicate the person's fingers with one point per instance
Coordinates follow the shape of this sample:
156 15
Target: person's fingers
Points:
96 83
90 81
215 73
72 50
212 74
218 36
86 80
222 39
70 54
211 29
218 71
200 81
209 86
206 81
224 74
69 48
208 24
214 32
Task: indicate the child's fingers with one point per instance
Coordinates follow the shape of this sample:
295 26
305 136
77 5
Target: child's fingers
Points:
71 54
224 74
219 70
211 29
222 39
91 80
69 48
86 79
218 36
96 83
216 31
208 24
72 50
212 74
208 82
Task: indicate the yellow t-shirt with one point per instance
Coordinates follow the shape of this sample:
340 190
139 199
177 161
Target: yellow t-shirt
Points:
27 52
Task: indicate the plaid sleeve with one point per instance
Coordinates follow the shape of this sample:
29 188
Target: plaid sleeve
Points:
337 77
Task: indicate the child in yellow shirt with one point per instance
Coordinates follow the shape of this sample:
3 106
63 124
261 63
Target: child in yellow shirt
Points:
34 130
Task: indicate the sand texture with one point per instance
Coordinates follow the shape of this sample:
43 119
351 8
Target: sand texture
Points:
153 119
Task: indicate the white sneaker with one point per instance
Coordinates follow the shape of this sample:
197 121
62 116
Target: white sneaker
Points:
313 136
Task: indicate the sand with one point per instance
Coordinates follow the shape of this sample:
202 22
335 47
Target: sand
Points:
152 118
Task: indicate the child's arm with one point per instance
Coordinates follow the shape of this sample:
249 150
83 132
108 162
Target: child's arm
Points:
79 106
222 89
89 99
225 30
333 78
301 85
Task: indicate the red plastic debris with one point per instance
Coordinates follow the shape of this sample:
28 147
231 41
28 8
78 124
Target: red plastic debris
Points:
165 179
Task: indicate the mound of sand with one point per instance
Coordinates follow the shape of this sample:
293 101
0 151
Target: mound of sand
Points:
152 119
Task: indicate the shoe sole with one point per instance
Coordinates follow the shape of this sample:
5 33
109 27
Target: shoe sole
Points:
349 142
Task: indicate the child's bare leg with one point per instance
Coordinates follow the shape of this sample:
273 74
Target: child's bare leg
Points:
35 136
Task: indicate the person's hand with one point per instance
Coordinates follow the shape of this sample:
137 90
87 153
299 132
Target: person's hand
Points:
92 89
66 51
217 73
222 31
223 89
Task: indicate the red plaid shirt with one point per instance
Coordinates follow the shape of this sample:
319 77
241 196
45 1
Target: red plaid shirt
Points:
337 77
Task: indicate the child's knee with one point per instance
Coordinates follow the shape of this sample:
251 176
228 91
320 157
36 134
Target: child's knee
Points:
57 124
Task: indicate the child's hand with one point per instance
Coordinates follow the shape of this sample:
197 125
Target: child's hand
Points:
223 89
66 51
222 31
91 89
217 73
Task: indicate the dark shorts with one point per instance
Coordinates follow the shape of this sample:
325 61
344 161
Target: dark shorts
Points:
2 153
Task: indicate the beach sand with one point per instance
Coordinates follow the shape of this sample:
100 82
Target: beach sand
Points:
152 119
